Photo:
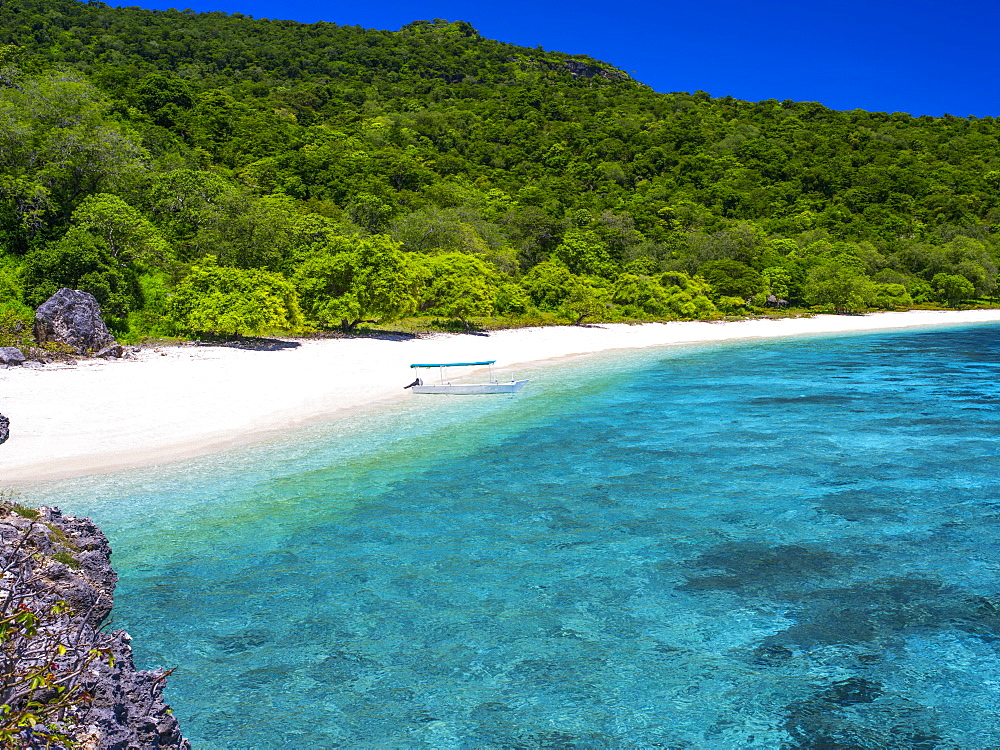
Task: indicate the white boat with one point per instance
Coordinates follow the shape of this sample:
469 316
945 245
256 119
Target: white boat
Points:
445 386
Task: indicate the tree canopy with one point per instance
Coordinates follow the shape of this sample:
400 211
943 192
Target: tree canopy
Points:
386 173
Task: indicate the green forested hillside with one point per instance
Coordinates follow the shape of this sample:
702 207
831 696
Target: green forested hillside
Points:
213 172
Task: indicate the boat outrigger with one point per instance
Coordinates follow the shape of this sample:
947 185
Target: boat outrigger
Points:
444 385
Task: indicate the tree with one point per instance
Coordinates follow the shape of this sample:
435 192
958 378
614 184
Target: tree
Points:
532 232
639 293
961 256
221 300
778 281
952 288
891 296
204 213
370 212
585 300
82 260
451 230
12 292
59 143
187 205
456 285
840 285
742 243
164 97
732 278
687 296
351 279
511 299
548 284
583 253
126 233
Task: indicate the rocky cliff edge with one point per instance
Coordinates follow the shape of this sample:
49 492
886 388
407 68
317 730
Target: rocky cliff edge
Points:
56 589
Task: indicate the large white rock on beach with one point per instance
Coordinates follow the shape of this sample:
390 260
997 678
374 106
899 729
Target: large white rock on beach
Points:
73 318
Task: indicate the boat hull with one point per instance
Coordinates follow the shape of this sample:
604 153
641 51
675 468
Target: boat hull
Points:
470 389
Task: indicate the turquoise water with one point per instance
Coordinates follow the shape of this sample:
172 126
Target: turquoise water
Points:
788 544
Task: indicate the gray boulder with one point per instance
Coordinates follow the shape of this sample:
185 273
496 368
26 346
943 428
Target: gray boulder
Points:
73 318
4 428
11 356
115 351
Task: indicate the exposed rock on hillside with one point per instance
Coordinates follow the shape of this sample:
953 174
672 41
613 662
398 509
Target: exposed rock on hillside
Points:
48 557
73 318
576 68
4 428
581 69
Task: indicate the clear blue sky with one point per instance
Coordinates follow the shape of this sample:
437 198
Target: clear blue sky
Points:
914 56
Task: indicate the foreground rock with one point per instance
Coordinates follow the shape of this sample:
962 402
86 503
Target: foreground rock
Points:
73 318
4 428
51 557
11 356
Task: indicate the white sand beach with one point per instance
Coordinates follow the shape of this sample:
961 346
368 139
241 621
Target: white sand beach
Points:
180 401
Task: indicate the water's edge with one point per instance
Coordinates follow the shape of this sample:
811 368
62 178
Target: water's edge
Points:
759 544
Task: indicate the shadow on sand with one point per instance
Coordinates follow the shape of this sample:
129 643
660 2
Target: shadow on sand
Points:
375 333
265 344
257 344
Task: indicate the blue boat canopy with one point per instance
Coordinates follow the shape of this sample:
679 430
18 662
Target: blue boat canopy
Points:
457 364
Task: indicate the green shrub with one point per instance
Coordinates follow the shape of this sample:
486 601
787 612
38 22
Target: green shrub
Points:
234 301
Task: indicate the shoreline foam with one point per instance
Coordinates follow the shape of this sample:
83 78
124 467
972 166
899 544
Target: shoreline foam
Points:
184 401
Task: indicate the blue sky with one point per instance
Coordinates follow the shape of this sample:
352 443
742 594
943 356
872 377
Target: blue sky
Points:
912 56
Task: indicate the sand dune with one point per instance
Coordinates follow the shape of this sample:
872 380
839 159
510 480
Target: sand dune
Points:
186 400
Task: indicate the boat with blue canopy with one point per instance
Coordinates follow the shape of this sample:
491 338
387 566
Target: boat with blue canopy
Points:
445 386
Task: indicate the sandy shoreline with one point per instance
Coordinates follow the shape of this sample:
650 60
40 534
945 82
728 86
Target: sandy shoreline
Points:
184 401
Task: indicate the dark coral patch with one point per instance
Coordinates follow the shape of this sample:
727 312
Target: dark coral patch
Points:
748 566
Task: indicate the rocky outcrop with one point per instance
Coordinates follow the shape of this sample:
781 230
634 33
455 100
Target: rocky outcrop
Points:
11 356
580 69
585 68
4 428
49 558
72 318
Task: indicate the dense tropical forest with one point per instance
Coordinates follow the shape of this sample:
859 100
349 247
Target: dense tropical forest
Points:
211 172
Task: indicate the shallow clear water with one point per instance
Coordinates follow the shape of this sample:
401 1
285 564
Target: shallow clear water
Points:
786 544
